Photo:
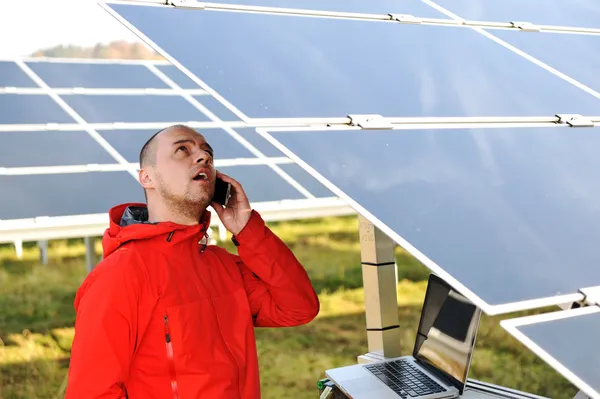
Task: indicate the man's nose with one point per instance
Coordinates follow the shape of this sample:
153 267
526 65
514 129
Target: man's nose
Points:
203 158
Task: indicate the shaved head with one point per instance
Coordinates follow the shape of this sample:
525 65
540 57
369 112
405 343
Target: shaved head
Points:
148 152
170 162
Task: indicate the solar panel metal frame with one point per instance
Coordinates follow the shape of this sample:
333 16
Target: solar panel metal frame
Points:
512 327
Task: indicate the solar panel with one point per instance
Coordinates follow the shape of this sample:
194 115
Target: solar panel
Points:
133 108
461 192
12 75
567 341
296 66
18 109
513 206
50 165
65 194
177 76
575 13
573 55
105 75
50 148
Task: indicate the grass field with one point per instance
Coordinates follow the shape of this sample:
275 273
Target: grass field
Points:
36 315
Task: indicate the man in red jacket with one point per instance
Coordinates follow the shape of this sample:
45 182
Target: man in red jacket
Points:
165 315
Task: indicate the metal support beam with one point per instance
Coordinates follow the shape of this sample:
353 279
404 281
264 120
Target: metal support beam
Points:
19 248
90 253
380 285
43 246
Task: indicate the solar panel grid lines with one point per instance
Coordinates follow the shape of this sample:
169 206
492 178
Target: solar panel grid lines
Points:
75 116
174 62
239 138
564 340
49 163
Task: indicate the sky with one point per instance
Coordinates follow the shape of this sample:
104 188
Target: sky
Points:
29 25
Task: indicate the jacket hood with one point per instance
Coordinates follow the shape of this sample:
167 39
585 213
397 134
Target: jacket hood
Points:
129 222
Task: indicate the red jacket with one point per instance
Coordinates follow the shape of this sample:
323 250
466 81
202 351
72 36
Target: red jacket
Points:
164 316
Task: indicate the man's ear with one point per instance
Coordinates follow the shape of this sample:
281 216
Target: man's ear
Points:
145 179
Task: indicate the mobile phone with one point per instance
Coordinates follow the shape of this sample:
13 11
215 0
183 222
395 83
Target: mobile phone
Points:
222 192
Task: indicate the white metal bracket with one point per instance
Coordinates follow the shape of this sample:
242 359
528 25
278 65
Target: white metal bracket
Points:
188 4
592 295
405 18
575 120
525 26
370 122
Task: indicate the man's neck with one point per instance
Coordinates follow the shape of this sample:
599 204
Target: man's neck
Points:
175 214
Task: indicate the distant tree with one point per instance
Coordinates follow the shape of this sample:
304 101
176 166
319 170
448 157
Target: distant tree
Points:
114 50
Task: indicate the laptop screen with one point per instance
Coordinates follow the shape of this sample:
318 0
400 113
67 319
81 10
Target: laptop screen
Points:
447 331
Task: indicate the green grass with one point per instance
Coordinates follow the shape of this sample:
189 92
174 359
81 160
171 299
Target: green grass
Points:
36 315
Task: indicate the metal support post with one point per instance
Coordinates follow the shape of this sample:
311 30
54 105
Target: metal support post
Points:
43 246
381 290
90 253
19 248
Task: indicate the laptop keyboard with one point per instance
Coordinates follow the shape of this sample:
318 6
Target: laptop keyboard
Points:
404 378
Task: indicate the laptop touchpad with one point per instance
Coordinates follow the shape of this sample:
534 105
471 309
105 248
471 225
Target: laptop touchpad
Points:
362 385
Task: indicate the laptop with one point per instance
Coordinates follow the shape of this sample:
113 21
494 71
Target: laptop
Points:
442 353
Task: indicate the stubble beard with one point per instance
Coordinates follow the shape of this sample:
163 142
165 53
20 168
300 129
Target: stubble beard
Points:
189 205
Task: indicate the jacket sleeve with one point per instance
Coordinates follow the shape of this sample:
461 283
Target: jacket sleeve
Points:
278 288
106 328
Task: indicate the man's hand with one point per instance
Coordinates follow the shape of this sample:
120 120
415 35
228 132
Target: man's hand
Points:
238 210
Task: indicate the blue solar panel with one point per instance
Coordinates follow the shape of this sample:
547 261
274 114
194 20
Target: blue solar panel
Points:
65 194
414 7
13 76
573 55
306 180
214 106
129 143
178 77
18 108
104 75
578 13
250 135
134 108
49 148
513 206
317 67
261 183
568 341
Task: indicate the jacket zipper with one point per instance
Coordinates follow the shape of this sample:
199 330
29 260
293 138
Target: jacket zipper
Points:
174 386
223 339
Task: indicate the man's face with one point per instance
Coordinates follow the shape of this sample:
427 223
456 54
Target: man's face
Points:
183 174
